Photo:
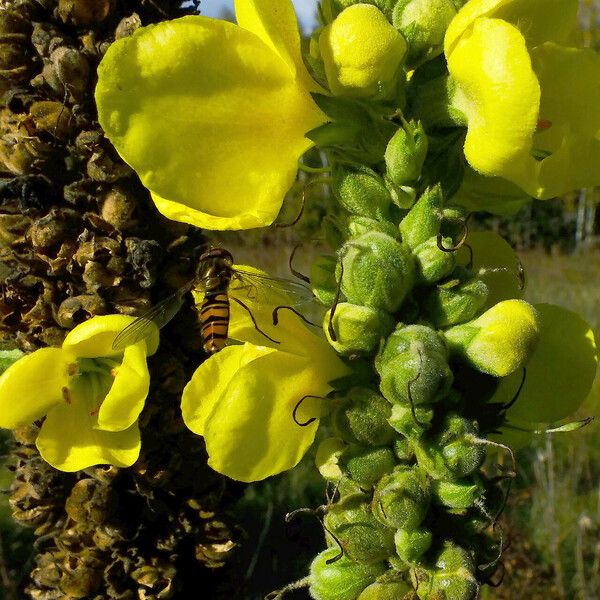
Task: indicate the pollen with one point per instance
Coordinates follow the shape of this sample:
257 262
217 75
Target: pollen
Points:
72 369
114 371
543 125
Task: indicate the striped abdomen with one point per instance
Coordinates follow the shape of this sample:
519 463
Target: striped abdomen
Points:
214 321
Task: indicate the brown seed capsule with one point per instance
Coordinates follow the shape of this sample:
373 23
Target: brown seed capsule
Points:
67 71
50 117
84 12
127 26
15 60
118 207
102 167
78 309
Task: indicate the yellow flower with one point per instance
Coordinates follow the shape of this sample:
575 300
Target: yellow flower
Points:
529 100
560 372
362 53
212 115
90 396
242 399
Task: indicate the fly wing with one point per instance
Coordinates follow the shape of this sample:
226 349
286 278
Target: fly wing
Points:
259 288
158 316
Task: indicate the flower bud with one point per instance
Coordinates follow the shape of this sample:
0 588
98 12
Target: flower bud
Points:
362 418
458 495
341 579
423 24
454 302
357 226
453 452
411 545
405 154
394 590
362 53
452 577
378 271
363 538
322 279
498 342
362 192
433 264
358 329
424 219
402 448
401 499
365 466
403 420
328 457
413 366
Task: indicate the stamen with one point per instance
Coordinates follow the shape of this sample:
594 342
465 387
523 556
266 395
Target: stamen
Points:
543 125
72 369
66 394
114 372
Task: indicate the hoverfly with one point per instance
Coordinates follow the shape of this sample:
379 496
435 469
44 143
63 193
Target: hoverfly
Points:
220 281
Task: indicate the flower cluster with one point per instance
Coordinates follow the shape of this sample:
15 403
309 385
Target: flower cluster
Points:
425 110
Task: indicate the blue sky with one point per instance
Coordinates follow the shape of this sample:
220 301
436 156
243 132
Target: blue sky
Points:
305 10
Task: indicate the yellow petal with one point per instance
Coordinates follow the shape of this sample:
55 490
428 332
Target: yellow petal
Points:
498 92
538 20
275 23
94 338
69 442
250 434
210 381
560 373
362 52
573 135
127 395
32 386
211 118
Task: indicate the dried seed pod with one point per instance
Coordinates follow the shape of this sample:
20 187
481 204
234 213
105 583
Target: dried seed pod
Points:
118 206
107 169
67 71
127 26
50 117
78 309
15 55
84 12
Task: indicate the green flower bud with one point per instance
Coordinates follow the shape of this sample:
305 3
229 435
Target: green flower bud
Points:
357 226
453 452
362 53
362 192
362 418
393 590
379 271
458 495
424 219
433 264
358 329
498 342
451 579
454 302
413 366
363 538
423 23
365 466
402 448
322 279
343 579
411 545
403 196
328 458
405 154
401 499
403 420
